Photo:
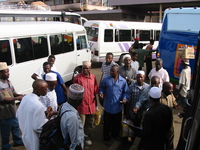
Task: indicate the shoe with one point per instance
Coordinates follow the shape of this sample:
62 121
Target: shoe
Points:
107 143
88 142
15 144
118 138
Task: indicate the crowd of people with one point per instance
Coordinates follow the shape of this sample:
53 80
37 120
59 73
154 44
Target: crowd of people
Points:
147 105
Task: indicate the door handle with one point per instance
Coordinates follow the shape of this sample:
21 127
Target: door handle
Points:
78 55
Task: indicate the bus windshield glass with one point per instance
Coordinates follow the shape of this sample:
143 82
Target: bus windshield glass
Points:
179 22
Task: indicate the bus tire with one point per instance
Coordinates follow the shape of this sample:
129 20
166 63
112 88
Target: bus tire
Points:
77 70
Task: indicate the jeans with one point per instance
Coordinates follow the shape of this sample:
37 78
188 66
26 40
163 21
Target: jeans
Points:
7 126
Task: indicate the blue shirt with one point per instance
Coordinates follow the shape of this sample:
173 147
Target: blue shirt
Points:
144 98
135 93
71 125
59 91
114 92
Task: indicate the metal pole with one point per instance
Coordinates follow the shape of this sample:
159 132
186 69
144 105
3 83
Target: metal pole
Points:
160 13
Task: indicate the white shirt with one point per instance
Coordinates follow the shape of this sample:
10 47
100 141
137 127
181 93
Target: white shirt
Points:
40 72
31 116
185 80
162 74
50 99
135 65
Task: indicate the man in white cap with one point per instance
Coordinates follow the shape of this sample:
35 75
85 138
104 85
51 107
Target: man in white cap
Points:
60 89
50 99
184 83
8 121
87 108
156 123
135 91
71 124
126 71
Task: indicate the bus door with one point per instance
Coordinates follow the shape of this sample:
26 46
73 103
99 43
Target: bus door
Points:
190 137
83 51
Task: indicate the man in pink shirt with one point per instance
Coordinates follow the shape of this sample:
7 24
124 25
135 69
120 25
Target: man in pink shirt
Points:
160 72
88 106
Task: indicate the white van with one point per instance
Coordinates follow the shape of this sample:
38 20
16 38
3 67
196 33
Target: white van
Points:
25 46
117 36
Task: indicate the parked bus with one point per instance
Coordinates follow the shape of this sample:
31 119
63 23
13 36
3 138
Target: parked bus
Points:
15 15
25 46
180 28
118 36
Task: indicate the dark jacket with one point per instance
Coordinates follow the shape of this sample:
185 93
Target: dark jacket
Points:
156 124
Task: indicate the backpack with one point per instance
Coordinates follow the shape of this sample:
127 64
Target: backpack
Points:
51 136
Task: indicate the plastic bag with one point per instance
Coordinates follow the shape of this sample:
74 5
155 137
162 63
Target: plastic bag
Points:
126 131
98 115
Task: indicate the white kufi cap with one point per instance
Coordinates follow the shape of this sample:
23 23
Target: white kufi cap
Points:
140 72
51 77
155 92
86 63
76 91
127 55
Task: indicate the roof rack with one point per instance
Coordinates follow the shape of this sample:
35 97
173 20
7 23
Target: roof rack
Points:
24 7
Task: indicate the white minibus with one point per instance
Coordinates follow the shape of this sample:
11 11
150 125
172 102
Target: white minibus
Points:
117 36
25 46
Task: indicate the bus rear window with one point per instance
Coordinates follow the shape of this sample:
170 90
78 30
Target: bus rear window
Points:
179 22
5 54
92 33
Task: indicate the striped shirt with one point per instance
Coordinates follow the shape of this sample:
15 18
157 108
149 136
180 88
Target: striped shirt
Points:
88 105
105 69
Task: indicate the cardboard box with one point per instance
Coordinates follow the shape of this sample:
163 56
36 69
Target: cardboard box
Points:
188 53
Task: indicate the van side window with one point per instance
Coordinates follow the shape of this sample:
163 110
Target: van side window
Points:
23 49
145 35
156 35
81 42
5 54
108 35
40 47
55 40
124 35
68 42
